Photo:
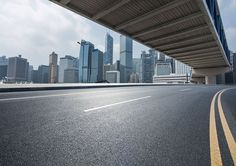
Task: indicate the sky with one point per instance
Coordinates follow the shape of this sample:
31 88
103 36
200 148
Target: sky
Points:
35 28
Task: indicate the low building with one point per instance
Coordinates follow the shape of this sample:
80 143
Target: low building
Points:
113 76
163 69
172 79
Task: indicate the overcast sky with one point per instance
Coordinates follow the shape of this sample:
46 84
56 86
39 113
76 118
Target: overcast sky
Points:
35 28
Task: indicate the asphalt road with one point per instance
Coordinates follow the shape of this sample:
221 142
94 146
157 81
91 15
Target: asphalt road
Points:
166 125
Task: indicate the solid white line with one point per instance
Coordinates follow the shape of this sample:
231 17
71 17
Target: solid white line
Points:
110 105
183 90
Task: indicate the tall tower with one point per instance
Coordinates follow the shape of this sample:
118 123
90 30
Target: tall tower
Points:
126 58
53 68
108 55
85 61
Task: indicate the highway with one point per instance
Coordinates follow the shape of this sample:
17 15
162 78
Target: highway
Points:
151 125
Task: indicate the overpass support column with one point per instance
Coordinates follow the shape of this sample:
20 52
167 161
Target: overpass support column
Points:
210 79
210 73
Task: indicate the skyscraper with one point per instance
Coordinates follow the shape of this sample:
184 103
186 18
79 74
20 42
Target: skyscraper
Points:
172 63
105 69
146 67
67 62
17 70
162 57
108 54
126 57
85 61
181 68
136 65
71 75
53 68
43 72
30 69
34 76
96 66
3 67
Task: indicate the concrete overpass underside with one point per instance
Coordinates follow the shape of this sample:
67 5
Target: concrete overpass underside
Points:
182 29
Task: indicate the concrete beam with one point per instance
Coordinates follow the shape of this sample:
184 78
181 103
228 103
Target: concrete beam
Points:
168 24
207 59
211 71
173 44
202 51
191 47
210 54
65 2
176 34
152 13
109 9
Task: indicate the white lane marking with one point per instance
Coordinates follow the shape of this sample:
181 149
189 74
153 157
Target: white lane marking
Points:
114 104
183 90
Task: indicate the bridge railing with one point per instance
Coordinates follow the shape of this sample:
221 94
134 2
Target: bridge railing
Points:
215 14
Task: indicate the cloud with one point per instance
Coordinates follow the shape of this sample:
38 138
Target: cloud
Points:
36 28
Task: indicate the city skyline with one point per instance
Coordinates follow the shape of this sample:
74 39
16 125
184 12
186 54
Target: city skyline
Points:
38 39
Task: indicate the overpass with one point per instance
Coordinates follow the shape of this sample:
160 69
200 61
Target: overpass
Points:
190 31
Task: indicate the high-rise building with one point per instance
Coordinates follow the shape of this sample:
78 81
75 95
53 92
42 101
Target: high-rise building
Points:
3 61
96 66
3 67
34 76
106 68
108 54
126 57
181 68
113 76
30 69
136 65
146 67
17 70
116 66
43 72
67 62
71 75
134 78
53 68
162 57
171 61
85 61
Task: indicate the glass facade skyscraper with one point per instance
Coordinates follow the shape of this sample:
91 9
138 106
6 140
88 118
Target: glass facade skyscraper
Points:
97 66
108 55
85 58
126 57
43 74
147 67
17 69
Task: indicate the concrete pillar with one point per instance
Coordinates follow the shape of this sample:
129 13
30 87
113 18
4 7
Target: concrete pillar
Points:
210 79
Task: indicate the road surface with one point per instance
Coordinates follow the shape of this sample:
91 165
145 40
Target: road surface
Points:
155 125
